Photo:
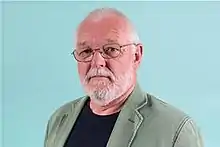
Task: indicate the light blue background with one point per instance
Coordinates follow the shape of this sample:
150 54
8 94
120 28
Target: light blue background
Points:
1 77
181 61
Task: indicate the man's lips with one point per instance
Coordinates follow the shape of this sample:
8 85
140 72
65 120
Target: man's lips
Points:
98 77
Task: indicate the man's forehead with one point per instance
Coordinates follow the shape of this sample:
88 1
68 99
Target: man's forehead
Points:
90 42
101 32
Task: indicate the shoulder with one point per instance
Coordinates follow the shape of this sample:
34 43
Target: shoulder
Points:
164 110
172 123
67 106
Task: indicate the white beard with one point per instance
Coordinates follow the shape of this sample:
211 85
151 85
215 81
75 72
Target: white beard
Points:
105 92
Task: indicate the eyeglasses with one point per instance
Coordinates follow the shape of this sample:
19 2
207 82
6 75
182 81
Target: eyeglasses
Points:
107 51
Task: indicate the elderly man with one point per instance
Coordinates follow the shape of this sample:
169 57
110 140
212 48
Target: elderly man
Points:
115 112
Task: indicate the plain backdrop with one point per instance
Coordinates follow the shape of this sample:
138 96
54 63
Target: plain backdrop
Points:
181 62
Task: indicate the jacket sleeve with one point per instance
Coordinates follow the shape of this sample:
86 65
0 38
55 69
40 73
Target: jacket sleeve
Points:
188 135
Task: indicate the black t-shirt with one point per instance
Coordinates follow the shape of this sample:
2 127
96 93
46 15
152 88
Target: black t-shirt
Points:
91 130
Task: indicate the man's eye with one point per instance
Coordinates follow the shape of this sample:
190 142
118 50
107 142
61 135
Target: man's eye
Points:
111 49
85 52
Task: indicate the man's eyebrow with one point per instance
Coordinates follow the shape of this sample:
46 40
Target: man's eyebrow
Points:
83 43
111 41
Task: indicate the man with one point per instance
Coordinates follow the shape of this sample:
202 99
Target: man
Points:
115 112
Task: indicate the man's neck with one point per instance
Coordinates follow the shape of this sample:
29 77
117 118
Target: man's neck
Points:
112 107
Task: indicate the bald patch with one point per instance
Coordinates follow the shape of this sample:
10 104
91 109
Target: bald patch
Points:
99 14
107 24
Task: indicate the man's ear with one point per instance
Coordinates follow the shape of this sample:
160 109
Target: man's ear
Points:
138 54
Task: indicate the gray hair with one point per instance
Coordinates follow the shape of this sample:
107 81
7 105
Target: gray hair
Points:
100 13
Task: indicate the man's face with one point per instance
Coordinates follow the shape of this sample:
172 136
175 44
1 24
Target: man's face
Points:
106 79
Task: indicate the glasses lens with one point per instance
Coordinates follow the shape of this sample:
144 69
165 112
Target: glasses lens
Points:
111 50
83 55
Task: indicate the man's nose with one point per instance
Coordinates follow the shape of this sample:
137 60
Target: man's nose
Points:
98 60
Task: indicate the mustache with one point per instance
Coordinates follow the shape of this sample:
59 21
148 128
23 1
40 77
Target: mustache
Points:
99 72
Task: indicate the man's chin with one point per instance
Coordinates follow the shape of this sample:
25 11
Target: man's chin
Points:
98 90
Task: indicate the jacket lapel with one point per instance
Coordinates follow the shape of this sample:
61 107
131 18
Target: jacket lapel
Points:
67 122
129 120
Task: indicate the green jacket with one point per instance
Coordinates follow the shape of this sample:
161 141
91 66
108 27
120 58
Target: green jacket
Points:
144 121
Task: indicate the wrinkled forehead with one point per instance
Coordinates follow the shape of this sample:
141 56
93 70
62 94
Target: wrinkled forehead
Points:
106 31
84 43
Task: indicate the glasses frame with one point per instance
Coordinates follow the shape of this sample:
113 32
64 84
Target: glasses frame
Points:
94 50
